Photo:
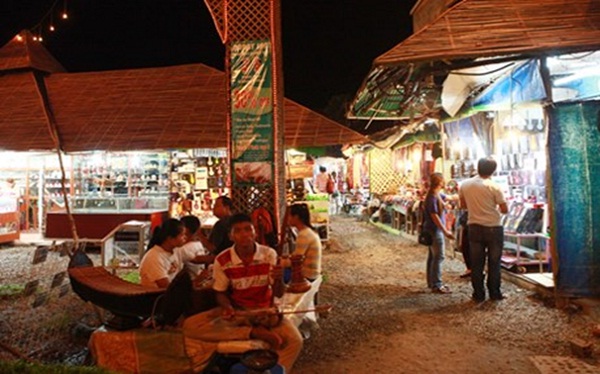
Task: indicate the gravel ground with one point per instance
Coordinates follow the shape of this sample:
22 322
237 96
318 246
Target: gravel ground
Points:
384 318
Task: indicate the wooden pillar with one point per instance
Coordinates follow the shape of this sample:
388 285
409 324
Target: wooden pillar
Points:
251 32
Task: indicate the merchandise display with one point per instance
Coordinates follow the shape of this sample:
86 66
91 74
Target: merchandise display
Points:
9 218
197 177
120 174
525 239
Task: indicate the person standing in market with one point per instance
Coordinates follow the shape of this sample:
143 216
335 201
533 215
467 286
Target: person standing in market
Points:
321 180
334 194
485 202
434 222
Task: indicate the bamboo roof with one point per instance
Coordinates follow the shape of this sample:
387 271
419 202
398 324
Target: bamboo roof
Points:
482 28
473 32
22 52
153 108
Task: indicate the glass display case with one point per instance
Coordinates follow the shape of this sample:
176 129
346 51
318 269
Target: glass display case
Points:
121 174
118 204
9 218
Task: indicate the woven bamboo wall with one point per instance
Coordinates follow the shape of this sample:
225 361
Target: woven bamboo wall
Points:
247 198
383 177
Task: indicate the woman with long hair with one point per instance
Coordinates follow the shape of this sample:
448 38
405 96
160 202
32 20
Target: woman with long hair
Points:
308 243
434 222
160 265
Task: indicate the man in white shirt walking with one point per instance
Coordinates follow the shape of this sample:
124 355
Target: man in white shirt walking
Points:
485 202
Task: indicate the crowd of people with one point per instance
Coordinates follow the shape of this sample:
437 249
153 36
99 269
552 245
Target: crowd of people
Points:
245 276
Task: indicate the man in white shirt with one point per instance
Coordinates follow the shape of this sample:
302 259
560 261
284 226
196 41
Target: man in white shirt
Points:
485 202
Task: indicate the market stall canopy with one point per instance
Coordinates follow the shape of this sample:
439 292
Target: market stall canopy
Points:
153 108
474 33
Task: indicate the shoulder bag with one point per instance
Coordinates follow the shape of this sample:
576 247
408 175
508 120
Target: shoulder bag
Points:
425 237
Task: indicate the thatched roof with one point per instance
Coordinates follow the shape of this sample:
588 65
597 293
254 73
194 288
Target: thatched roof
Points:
482 28
464 35
24 53
155 108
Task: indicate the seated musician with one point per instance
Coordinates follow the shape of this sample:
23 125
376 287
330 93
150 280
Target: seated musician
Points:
308 243
245 277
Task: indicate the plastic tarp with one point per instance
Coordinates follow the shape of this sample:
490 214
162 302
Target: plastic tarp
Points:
472 130
460 84
573 136
523 85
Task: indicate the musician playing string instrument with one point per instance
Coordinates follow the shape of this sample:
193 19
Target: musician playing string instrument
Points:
246 277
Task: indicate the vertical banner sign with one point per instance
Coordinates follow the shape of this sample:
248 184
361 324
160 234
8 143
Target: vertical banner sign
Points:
251 113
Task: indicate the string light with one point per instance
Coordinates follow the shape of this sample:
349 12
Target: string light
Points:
47 20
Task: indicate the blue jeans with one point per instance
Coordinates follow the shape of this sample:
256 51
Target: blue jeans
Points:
486 241
435 257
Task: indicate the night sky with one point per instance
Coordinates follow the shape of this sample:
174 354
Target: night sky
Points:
328 45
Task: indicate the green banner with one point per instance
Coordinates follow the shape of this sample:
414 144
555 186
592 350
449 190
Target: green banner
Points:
251 112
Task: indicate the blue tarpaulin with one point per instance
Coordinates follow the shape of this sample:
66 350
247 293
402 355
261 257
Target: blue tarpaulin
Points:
523 85
574 139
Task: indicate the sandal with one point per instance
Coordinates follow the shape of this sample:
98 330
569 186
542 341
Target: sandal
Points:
442 289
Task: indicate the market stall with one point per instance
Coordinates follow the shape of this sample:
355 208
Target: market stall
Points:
9 218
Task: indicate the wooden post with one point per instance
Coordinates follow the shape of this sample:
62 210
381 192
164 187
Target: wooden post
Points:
251 32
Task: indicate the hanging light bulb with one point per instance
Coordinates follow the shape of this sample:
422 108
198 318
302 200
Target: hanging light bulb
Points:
40 39
19 38
35 38
51 28
64 13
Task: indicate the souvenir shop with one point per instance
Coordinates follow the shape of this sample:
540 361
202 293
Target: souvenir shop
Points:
397 176
302 170
119 186
516 139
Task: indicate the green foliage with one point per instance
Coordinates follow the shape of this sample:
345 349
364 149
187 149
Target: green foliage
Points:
317 197
8 291
21 367
58 322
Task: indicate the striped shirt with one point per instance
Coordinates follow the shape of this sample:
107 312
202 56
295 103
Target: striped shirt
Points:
308 244
250 285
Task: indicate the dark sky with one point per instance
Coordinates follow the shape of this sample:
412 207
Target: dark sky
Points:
328 45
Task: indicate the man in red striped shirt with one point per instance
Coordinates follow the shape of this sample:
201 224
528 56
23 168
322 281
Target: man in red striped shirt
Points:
246 277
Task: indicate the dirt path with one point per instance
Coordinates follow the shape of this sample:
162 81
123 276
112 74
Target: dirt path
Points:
386 321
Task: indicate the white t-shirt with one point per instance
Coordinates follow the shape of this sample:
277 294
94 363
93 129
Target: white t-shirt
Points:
188 252
158 264
482 197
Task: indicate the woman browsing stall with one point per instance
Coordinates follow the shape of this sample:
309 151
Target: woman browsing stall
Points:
434 223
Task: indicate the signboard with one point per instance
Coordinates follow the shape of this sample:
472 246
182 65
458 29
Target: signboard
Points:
251 113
